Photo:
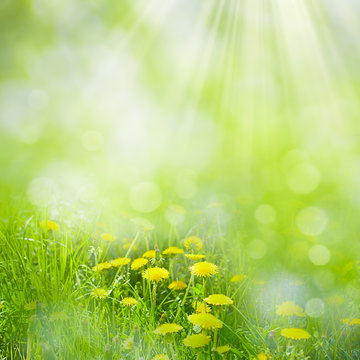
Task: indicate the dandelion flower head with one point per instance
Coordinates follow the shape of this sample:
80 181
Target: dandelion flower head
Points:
177 285
223 349
101 266
167 329
205 321
351 322
49 225
193 242
155 274
100 293
195 256
160 357
289 308
200 306
108 237
150 254
218 299
173 250
128 301
204 269
197 340
120 262
295 333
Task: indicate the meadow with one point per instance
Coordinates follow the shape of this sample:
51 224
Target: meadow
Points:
132 288
179 180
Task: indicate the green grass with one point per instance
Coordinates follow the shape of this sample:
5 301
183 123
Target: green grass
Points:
48 311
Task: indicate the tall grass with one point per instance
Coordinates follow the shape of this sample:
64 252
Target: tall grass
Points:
48 311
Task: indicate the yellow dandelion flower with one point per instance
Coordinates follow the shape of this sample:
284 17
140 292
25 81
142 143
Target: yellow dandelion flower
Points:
155 274
237 278
194 256
173 250
138 263
205 321
193 242
204 269
120 262
177 285
100 293
49 225
223 349
351 322
295 333
101 266
262 356
335 299
150 254
128 301
196 341
218 299
1 306
108 237
167 329
160 357
200 307
289 308
128 343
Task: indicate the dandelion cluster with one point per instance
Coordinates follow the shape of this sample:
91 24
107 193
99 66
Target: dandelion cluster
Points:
194 312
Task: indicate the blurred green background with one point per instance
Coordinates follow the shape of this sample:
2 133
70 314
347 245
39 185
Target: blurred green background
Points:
244 109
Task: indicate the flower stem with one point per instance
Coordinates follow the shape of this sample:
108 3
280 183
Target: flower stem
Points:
204 287
154 297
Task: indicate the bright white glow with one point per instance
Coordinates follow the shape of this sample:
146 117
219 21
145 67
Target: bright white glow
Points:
185 185
256 249
145 197
319 255
315 308
303 178
41 191
265 214
92 140
312 221
175 214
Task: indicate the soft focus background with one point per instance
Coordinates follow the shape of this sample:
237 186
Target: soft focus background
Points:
135 105
187 111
